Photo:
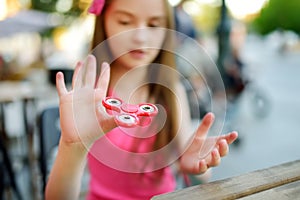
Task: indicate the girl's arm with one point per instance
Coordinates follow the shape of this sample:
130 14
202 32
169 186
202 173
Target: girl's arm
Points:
65 177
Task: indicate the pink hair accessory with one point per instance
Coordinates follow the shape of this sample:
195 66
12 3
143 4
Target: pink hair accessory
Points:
96 7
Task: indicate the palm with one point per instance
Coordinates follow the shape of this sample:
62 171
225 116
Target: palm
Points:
205 152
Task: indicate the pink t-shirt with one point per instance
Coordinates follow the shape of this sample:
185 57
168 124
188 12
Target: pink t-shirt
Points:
118 166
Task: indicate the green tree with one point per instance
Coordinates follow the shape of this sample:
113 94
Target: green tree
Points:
51 6
278 14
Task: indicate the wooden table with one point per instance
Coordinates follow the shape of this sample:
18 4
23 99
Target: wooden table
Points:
277 182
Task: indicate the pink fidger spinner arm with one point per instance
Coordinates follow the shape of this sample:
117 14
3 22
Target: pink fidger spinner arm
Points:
128 115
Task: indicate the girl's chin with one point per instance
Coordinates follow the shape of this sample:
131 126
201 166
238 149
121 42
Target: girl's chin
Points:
131 62
134 64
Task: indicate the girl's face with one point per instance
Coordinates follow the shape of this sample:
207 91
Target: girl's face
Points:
137 26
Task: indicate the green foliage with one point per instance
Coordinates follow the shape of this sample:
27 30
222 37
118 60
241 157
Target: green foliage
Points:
47 6
50 6
65 18
278 14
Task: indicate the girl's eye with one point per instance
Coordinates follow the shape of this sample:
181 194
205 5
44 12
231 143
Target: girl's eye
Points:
154 25
124 22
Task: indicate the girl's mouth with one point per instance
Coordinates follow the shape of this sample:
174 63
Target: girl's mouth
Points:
137 54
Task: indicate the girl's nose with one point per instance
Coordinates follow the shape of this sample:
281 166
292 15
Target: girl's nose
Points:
140 35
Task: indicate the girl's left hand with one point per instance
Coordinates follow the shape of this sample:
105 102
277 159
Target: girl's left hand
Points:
191 161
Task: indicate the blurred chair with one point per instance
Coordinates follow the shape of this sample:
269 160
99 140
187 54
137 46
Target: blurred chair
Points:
8 178
49 128
7 174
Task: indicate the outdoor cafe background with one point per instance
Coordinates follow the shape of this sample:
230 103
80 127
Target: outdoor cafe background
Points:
37 38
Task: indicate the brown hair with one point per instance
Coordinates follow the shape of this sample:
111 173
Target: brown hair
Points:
159 93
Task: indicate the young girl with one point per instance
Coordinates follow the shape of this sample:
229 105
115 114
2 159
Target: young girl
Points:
128 163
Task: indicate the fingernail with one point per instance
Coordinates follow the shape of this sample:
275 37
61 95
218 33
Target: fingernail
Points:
211 116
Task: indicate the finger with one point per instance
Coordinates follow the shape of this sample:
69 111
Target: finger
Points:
75 74
103 80
90 75
215 158
230 137
78 78
108 124
60 84
223 148
205 125
202 166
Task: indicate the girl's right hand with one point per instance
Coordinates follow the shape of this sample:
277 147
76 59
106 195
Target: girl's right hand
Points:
82 117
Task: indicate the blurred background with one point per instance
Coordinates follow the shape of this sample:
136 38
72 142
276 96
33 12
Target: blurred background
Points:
255 45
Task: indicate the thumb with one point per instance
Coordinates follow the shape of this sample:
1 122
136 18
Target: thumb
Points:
205 125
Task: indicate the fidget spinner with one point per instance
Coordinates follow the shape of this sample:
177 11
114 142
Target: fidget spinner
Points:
128 115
